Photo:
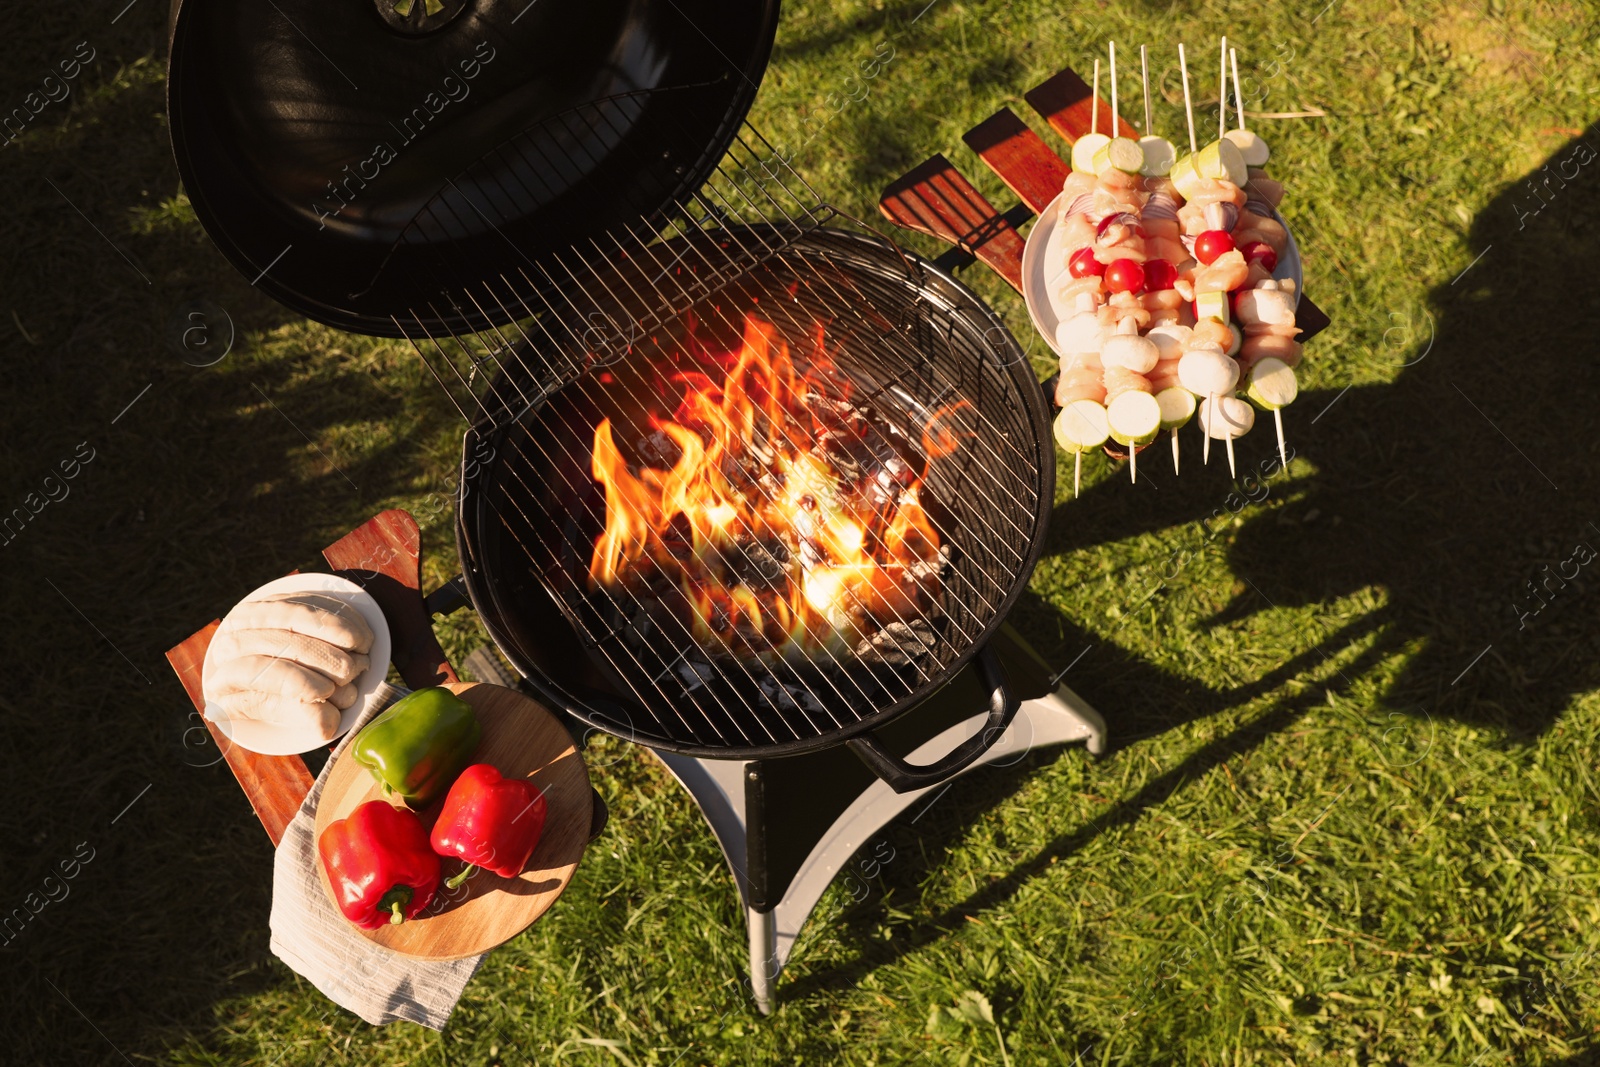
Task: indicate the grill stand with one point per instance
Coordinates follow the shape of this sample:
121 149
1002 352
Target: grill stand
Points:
788 827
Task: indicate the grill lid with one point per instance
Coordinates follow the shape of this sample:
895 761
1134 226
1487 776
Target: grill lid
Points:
312 136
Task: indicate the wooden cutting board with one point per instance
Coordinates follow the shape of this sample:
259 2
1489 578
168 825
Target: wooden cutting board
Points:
523 740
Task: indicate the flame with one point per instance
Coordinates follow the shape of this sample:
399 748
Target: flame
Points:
771 551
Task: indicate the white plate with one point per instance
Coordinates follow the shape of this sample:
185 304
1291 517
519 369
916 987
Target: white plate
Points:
1043 248
275 740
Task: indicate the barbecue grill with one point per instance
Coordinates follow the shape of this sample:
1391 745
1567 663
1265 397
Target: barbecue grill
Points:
563 210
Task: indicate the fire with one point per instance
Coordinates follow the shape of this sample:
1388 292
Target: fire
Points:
756 539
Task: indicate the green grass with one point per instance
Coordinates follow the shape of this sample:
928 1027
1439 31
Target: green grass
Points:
1320 839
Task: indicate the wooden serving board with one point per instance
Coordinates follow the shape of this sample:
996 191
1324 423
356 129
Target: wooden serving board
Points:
522 739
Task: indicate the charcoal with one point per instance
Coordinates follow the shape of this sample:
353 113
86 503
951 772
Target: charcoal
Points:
760 564
788 696
899 644
891 478
857 452
656 449
925 573
851 462
695 673
762 457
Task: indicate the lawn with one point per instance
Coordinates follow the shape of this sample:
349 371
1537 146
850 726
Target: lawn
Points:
1350 812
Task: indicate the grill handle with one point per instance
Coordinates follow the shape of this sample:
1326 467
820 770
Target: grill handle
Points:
905 777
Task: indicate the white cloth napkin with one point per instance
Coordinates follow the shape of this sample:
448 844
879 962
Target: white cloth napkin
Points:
310 935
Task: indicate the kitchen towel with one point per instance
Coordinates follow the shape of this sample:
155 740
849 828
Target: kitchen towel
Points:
310 935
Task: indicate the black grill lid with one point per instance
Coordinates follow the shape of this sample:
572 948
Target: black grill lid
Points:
321 145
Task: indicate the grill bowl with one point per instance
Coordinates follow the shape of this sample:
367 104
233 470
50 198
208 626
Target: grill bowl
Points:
911 339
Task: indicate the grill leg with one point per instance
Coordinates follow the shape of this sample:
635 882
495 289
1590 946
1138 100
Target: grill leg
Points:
741 799
764 963
1075 720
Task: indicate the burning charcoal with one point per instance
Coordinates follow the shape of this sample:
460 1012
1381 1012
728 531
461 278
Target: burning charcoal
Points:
827 409
926 572
670 612
748 467
891 478
788 696
805 528
694 674
899 644
857 453
844 453
890 594
760 564
657 450
797 513
762 456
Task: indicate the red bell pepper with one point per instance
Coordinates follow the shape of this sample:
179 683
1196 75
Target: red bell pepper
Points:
379 864
489 821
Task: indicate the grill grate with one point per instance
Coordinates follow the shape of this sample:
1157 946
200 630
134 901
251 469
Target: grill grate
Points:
986 498
559 340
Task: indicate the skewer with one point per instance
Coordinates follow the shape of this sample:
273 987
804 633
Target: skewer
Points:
1238 94
1144 77
1174 451
1094 103
1115 123
1283 451
1232 470
1205 452
1133 463
1222 90
1077 473
1188 106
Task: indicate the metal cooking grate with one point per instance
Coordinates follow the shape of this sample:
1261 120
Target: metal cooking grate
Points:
530 381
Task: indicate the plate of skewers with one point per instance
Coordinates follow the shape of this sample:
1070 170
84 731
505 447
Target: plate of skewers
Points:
1167 284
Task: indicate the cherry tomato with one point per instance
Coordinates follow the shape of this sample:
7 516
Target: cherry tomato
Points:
1082 264
1261 252
1125 276
1212 244
1159 274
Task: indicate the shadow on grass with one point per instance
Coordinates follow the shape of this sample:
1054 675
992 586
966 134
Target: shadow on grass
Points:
187 502
987 791
1455 485
1465 490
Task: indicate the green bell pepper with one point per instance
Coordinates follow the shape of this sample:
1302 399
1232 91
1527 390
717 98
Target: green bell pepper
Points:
418 745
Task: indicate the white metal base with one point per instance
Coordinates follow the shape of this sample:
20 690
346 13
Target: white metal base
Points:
718 787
